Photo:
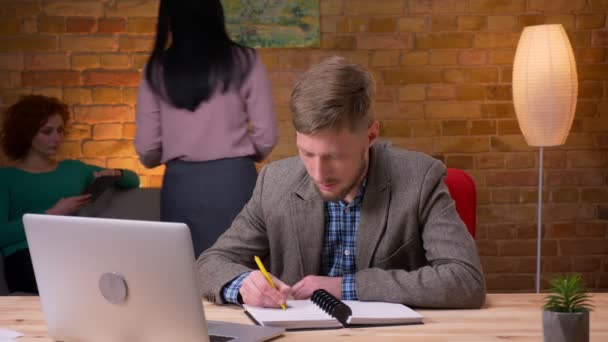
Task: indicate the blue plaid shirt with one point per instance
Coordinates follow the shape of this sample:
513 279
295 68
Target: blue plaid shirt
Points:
338 258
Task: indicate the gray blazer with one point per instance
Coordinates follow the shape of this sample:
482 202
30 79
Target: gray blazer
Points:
412 247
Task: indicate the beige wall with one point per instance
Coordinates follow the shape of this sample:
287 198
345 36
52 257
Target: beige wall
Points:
443 69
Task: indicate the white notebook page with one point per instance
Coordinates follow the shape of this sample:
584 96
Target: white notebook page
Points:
381 313
299 314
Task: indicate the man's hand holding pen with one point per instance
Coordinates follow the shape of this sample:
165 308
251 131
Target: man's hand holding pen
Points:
262 289
257 291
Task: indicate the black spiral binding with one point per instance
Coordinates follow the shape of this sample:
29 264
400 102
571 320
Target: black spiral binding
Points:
332 305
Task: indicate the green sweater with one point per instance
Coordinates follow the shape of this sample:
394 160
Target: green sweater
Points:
24 192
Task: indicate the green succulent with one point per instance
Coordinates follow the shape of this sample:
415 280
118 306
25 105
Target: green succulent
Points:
567 295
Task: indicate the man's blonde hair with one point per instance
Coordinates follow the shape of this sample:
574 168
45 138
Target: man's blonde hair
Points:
333 94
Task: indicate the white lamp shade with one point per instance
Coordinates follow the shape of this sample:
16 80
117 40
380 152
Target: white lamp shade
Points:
545 85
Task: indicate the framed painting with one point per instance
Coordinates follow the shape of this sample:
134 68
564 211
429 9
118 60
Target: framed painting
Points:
273 23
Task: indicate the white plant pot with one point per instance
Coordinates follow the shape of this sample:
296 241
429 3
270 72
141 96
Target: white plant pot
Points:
565 327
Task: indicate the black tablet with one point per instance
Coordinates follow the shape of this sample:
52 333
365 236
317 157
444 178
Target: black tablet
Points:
99 185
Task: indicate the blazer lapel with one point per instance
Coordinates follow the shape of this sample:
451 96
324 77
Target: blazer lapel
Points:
308 225
374 209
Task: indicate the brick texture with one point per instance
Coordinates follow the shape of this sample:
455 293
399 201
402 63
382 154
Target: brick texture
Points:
443 73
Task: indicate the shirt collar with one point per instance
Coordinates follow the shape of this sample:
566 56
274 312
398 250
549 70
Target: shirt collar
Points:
358 199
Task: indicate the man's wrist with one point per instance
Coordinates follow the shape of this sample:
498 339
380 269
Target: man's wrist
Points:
231 291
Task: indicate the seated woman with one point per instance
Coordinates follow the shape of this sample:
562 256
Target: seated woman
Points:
31 134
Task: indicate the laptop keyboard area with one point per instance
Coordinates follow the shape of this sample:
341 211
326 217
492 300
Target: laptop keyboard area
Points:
217 338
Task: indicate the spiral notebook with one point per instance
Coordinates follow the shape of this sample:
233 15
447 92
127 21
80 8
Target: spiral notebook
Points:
326 311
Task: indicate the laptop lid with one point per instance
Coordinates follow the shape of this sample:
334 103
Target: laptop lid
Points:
120 280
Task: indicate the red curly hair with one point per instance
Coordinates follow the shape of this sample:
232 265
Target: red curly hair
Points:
23 120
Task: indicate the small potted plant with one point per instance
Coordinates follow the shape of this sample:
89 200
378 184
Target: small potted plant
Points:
566 311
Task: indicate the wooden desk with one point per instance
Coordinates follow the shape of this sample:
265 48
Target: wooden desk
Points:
512 317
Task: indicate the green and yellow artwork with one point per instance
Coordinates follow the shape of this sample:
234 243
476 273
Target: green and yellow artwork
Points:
273 23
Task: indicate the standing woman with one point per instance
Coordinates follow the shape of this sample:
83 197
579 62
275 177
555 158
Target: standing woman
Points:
204 109
31 135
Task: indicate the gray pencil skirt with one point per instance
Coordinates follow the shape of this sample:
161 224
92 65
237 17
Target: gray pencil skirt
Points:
206 196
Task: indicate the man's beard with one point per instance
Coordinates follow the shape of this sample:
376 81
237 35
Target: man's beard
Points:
344 192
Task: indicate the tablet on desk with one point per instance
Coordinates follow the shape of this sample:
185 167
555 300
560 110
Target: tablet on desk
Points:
99 185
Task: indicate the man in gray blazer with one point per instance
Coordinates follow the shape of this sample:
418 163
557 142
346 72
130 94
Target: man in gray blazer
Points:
354 216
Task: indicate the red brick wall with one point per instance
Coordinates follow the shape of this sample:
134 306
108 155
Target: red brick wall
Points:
443 69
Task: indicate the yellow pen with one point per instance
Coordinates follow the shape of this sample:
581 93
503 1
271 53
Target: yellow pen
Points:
265 273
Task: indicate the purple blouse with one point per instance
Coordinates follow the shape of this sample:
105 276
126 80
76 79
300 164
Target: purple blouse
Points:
235 124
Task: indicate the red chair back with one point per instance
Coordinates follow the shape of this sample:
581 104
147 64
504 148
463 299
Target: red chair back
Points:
462 189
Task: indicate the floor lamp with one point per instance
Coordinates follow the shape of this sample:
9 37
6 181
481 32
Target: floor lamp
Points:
545 88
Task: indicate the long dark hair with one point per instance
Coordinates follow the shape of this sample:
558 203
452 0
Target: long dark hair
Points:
193 56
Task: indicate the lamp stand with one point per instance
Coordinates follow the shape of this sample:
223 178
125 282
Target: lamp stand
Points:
539 219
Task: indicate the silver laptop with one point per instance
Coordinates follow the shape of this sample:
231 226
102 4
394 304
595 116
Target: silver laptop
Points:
122 280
